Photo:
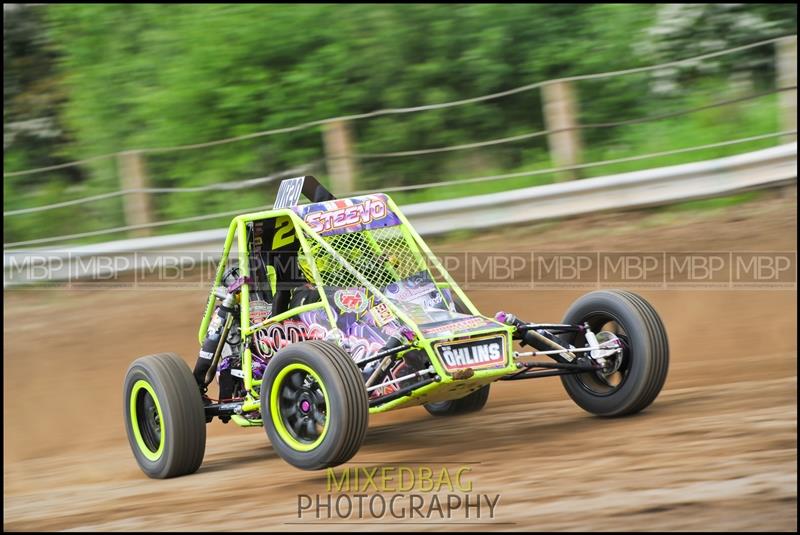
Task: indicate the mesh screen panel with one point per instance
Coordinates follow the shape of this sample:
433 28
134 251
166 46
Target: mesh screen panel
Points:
381 256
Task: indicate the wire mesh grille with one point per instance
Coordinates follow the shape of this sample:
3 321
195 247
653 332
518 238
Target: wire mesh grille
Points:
381 256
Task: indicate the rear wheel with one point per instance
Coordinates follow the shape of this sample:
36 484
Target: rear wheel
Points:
314 405
470 403
630 381
164 416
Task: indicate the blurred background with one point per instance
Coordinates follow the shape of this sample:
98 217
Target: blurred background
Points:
104 98
123 121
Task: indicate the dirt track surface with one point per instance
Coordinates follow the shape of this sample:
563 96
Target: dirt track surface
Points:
716 451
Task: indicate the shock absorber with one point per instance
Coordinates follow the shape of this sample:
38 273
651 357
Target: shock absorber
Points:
541 341
374 374
216 335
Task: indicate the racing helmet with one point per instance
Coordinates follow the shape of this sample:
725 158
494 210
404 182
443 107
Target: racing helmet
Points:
304 261
325 263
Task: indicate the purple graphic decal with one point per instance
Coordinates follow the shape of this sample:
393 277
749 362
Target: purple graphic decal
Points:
355 214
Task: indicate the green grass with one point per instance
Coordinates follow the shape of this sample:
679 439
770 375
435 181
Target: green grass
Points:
715 125
660 216
715 203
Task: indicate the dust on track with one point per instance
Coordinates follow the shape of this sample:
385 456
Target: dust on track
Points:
717 450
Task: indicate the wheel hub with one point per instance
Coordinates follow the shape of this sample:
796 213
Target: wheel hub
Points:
611 354
156 421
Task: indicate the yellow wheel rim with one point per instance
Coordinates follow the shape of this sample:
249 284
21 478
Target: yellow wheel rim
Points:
294 403
142 387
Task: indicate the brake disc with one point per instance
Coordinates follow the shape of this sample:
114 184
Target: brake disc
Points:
611 344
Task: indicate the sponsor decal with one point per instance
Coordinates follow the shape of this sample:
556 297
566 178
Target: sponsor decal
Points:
270 340
259 311
206 355
352 300
356 214
360 338
214 324
418 289
469 323
411 288
434 300
474 353
381 314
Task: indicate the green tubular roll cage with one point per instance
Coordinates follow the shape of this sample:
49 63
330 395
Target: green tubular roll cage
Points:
445 388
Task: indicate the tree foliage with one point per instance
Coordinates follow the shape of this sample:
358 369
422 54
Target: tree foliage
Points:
130 76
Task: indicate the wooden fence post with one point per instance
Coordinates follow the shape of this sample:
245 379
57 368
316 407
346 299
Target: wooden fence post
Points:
786 61
560 113
138 205
339 157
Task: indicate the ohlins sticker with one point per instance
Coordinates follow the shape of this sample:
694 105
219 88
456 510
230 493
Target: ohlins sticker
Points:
475 353
361 213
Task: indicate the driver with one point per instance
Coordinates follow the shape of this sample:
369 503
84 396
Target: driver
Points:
307 292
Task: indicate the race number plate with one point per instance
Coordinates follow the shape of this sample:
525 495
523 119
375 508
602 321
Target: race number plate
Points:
289 192
476 353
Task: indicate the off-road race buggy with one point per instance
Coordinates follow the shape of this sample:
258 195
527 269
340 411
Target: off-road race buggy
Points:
333 310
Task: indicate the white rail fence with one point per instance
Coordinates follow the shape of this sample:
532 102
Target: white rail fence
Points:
665 185
560 99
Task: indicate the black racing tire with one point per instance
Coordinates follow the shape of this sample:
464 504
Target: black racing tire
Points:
164 416
472 402
314 405
645 361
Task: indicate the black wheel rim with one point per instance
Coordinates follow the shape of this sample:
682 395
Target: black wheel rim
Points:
302 406
600 383
148 419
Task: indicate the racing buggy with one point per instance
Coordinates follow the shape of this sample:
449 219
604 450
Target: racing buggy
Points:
325 312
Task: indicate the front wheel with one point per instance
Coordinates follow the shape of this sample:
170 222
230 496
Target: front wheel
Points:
314 405
164 416
631 381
